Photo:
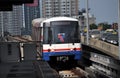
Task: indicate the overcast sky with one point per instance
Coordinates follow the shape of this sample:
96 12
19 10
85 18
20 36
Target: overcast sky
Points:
103 10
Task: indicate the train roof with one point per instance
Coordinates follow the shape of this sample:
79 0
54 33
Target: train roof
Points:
60 19
37 21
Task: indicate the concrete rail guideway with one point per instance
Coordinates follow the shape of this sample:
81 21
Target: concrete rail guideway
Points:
106 48
104 58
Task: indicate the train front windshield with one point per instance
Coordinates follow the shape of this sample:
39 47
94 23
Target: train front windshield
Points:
61 32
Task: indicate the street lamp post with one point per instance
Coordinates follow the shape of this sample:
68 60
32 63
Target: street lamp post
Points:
87 22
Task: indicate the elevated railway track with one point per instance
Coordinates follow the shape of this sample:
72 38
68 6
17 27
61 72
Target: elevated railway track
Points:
103 58
24 63
19 39
109 49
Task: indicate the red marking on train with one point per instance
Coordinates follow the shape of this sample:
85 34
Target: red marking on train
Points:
58 50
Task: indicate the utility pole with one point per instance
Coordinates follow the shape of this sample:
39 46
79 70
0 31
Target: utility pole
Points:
119 25
87 22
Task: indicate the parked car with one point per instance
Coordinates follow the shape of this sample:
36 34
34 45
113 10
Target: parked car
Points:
112 31
104 36
95 34
112 38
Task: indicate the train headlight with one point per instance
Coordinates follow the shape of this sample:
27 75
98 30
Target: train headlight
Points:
49 50
74 49
52 50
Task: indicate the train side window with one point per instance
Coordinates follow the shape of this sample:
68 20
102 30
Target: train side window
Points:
9 49
50 35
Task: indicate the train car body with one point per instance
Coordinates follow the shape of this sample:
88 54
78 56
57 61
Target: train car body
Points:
36 28
61 39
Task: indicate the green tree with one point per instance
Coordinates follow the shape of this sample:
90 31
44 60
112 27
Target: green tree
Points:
93 26
104 26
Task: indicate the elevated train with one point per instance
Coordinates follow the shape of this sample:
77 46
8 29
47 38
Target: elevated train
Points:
60 37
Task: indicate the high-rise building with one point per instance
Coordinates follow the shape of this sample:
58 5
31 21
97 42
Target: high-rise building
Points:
31 11
11 21
20 19
52 8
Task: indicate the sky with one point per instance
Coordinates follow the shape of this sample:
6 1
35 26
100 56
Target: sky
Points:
103 10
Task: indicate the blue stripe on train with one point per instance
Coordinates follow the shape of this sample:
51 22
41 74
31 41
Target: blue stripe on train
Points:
77 54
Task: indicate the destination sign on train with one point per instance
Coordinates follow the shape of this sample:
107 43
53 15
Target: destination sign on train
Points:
61 23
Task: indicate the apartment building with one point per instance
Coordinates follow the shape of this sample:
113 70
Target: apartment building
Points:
11 21
52 8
